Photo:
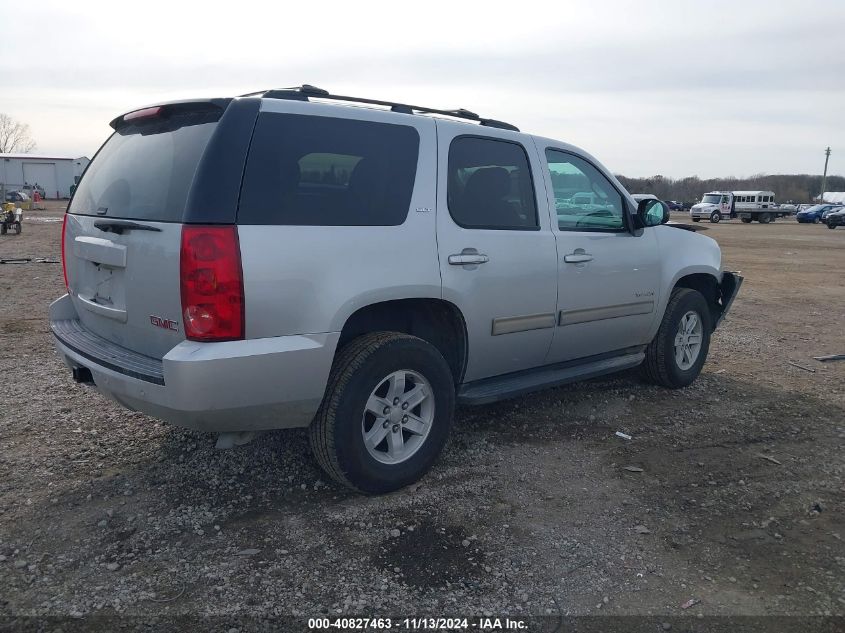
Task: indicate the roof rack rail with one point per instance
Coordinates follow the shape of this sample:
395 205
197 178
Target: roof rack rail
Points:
303 92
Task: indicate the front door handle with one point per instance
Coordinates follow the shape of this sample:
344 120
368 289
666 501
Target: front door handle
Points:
577 257
468 258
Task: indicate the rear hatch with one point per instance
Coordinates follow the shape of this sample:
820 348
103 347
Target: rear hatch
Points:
124 224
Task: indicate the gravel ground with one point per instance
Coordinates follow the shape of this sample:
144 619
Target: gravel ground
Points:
730 492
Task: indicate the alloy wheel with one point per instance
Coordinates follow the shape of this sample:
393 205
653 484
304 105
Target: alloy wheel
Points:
688 340
398 417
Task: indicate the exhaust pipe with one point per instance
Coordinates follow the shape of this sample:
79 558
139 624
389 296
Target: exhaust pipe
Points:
83 375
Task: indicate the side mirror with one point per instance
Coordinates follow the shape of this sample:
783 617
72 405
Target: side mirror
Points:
652 212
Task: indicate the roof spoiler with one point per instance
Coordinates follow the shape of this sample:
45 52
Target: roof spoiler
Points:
164 110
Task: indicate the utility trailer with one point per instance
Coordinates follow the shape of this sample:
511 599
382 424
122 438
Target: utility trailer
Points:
745 205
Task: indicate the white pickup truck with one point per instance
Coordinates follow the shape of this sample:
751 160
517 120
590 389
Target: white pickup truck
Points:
745 205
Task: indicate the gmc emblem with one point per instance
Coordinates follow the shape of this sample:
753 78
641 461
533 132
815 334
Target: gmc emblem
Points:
166 324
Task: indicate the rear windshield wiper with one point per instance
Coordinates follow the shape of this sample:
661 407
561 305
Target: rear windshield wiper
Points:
119 226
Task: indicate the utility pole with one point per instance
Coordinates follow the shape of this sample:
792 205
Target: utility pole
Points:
824 178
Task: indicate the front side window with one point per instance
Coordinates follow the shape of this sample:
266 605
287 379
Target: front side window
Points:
321 171
584 198
490 185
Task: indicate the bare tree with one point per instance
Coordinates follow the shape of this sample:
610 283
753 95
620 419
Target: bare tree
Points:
14 136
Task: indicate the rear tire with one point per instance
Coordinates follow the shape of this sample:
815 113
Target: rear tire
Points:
715 217
816 220
764 218
17 228
358 377
663 364
746 220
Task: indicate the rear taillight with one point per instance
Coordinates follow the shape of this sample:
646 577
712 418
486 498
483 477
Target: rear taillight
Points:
145 113
212 283
64 260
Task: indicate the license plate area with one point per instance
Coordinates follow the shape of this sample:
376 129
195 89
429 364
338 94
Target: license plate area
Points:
100 285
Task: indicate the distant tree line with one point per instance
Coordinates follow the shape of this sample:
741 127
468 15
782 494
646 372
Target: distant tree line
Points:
796 188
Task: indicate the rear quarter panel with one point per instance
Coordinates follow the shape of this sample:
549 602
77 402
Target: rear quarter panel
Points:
310 279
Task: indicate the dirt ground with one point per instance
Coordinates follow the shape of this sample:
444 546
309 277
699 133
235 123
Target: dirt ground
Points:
535 508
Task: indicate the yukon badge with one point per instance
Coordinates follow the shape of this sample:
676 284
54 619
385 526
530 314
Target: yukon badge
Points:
165 324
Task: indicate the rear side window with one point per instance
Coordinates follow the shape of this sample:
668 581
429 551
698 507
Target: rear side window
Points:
144 171
323 171
490 185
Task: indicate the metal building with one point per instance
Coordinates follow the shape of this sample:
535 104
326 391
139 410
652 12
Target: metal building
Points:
55 174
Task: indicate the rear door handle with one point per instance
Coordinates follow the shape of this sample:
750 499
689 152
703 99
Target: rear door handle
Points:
463 259
576 257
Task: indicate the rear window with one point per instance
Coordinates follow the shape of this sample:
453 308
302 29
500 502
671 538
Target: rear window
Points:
145 170
323 171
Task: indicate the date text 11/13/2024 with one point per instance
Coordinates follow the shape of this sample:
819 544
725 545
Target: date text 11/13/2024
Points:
417 624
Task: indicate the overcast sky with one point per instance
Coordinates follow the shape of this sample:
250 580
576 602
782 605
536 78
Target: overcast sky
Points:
712 88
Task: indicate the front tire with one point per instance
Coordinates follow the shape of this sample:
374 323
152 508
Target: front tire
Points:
816 220
715 217
677 353
386 414
696 219
831 226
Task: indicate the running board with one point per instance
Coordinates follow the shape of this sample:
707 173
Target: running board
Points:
519 383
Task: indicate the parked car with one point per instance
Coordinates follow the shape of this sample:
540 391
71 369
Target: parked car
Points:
814 214
835 218
674 205
358 271
16 196
833 209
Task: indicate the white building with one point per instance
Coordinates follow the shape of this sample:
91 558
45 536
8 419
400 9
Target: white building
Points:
55 174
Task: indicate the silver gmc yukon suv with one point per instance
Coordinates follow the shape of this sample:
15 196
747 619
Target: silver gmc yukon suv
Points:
293 258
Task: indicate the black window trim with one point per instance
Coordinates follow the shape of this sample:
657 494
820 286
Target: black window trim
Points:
626 207
468 227
286 113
